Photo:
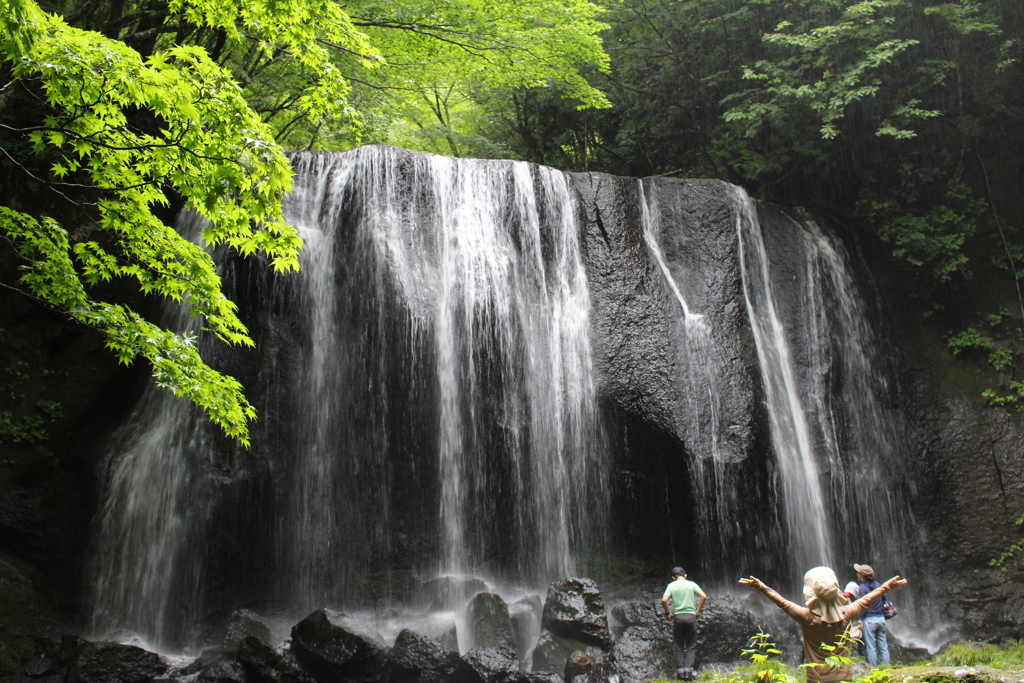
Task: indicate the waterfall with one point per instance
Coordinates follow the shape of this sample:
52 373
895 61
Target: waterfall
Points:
428 388
836 433
701 382
850 399
147 582
651 219
806 514
427 398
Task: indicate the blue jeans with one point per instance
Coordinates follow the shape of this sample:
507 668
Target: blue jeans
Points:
874 640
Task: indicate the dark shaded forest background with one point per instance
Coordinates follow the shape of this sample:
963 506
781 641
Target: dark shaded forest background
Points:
900 119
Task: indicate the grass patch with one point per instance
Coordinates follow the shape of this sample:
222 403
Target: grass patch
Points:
982 654
766 669
14 654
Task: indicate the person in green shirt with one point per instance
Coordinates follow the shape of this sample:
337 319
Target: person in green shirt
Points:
682 607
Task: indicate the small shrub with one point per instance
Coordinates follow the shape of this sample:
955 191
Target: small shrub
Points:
14 654
876 676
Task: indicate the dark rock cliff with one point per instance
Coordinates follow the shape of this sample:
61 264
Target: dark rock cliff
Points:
964 471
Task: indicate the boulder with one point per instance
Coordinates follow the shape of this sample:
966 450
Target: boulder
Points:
525 614
645 652
536 677
603 671
262 664
331 647
495 664
206 660
113 663
645 649
489 621
451 592
449 639
626 614
578 664
417 659
222 672
574 609
724 629
70 647
552 652
41 666
906 655
50 660
244 623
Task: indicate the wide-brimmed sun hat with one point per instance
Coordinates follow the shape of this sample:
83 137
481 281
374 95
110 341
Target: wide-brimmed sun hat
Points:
822 594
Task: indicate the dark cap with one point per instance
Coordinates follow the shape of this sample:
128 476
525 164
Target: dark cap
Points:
678 571
864 570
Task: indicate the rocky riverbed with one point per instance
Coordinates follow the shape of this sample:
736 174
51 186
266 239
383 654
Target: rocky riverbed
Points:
569 634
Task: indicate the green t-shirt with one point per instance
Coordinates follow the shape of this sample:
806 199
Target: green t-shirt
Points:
683 592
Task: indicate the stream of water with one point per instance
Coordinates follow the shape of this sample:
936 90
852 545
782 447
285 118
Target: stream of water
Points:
429 393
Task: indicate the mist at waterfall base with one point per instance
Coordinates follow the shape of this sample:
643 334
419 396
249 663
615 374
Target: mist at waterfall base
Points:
439 395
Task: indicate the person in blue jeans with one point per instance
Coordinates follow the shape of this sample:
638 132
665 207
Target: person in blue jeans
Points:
874 619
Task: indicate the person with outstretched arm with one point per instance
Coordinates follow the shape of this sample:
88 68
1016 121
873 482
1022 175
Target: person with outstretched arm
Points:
824 619
876 646
683 601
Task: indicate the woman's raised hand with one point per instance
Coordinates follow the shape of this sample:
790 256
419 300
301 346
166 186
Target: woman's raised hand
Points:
755 582
894 582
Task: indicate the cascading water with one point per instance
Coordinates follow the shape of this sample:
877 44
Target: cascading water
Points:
146 519
428 393
859 429
806 514
836 434
701 381
432 365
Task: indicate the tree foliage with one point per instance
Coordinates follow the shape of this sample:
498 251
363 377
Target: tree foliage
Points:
113 113
903 119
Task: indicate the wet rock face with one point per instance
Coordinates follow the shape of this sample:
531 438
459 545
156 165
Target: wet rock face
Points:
575 609
724 629
641 342
417 659
644 648
242 624
496 664
331 648
262 664
114 663
552 652
966 506
967 501
489 621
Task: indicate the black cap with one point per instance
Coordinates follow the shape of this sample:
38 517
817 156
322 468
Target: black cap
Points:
678 571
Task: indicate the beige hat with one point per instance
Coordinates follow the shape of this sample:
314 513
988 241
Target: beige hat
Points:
822 594
864 570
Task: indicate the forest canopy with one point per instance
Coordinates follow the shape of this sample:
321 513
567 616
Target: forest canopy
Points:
901 119
114 113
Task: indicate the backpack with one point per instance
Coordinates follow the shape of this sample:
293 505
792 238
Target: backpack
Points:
888 608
